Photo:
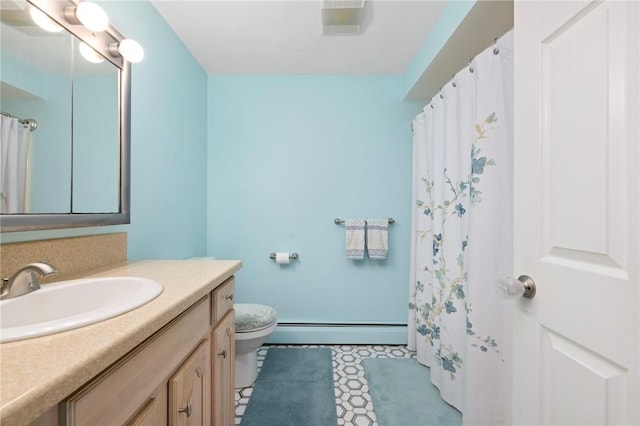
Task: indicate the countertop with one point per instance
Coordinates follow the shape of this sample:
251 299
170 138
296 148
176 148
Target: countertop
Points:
36 374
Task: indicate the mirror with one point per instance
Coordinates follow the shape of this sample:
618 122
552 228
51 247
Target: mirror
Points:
76 169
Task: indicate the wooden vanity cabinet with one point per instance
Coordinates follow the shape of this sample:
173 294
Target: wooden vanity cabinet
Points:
223 355
182 375
154 412
189 390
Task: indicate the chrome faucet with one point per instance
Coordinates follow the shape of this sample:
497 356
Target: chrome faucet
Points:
24 280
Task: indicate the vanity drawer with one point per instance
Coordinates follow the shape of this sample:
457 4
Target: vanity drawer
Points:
120 391
222 300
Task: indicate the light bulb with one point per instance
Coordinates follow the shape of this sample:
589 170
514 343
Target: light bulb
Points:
92 16
43 21
131 50
89 54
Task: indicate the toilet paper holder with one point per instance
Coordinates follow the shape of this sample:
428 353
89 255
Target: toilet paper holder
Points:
293 256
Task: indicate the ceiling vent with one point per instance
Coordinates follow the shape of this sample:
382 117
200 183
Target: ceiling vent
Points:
342 17
16 15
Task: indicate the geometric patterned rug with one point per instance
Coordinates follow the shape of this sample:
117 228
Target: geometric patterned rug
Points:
354 406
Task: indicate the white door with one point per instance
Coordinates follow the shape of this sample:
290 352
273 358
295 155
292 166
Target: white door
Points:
577 214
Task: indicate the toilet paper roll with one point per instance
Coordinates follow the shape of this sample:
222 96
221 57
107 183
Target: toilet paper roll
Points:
282 258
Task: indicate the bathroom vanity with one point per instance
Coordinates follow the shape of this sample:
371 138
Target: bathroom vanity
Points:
170 361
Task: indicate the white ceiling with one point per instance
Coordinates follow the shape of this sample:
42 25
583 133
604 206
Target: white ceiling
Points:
285 36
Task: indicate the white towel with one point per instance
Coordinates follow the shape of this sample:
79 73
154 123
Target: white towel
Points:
377 238
354 232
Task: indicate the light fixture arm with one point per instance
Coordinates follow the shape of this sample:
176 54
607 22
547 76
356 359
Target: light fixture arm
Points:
113 50
70 15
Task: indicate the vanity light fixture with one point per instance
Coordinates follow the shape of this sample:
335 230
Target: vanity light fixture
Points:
43 21
92 16
90 54
129 49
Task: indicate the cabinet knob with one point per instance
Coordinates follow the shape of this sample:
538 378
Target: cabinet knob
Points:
229 297
187 409
223 353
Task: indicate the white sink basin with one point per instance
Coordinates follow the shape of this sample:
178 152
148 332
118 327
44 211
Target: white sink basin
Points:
72 304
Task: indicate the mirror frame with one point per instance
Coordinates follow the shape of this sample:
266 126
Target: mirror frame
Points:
100 42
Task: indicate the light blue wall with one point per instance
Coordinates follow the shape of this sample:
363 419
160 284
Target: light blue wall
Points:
287 155
23 77
168 153
451 17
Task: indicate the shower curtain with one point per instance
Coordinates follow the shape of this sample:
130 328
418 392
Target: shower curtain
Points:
462 237
14 145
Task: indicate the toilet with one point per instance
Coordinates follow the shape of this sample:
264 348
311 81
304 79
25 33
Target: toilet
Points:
254 323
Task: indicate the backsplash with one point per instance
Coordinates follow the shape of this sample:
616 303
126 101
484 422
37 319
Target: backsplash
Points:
71 256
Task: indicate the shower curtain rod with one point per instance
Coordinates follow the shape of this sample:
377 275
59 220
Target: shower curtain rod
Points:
495 52
31 122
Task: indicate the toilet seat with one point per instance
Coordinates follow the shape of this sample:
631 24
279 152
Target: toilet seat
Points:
254 323
251 317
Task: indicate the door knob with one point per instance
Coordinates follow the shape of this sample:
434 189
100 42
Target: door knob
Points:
510 287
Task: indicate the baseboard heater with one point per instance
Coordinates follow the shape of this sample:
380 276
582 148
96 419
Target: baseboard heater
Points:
339 333
340 324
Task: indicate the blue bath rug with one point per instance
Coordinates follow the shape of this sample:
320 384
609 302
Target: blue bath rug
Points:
402 394
294 388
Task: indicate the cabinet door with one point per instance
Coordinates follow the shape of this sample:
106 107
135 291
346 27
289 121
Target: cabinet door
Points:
120 393
154 412
223 373
189 388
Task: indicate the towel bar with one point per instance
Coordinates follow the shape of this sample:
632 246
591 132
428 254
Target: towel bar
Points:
339 221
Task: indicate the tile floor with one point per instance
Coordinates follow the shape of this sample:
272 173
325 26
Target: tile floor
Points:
353 402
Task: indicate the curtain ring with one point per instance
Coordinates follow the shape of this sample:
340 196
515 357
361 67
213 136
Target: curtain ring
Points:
441 97
471 70
453 83
431 105
496 51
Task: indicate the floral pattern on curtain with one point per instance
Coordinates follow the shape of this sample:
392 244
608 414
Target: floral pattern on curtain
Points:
450 283
462 236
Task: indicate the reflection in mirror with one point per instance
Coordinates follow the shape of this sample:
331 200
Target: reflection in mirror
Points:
36 83
76 167
96 151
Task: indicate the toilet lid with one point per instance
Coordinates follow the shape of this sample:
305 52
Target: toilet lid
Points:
252 317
